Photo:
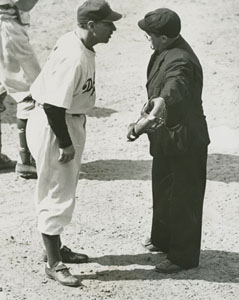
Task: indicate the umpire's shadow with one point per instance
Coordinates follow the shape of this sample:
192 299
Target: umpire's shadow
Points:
116 169
215 266
221 167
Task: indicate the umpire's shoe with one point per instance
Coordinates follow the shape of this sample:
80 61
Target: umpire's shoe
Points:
70 257
61 273
147 244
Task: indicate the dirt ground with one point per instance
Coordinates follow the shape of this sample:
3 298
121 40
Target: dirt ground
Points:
113 211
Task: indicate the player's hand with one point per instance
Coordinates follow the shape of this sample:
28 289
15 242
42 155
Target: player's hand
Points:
66 154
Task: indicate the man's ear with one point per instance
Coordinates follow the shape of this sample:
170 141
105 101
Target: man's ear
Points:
164 39
91 26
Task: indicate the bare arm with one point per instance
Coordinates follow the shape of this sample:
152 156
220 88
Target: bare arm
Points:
25 5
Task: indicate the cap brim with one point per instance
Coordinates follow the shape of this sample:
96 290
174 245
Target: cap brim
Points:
113 16
142 25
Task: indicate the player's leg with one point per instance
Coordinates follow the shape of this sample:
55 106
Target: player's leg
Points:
55 269
25 166
5 161
52 246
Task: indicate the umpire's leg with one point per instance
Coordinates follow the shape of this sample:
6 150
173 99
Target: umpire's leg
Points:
186 207
161 189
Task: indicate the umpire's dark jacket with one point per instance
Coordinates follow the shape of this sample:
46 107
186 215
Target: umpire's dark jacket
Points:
176 75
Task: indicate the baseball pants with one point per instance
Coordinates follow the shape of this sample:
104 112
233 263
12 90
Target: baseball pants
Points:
19 66
56 183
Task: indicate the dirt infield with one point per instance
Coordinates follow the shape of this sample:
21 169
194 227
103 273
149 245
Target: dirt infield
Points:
113 211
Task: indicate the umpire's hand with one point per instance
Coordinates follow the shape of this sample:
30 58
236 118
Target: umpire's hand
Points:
66 154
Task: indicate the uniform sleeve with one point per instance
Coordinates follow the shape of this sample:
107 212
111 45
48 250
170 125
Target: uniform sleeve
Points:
56 119
60 81
176 83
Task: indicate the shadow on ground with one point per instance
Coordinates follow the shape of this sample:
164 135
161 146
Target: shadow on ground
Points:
221 167
115 169
215 266
101 112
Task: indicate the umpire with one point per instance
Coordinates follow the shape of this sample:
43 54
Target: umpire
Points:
179 148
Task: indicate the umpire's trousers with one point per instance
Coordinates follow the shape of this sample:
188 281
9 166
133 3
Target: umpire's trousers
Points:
178 186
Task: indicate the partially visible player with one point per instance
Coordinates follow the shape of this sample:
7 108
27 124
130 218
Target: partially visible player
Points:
18 69
64 92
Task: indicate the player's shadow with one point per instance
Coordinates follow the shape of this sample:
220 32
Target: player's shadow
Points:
115 169
215 266
101 112
221 167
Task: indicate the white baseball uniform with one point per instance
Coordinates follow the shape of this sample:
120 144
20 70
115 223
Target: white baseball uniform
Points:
18 64
67 80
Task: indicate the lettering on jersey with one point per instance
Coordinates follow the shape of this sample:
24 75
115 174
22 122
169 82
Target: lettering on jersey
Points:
89 86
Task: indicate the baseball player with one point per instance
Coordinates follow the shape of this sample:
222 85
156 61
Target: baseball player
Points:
18 69
64 92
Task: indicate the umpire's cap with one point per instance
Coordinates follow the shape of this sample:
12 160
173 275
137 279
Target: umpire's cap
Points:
96 10
162 21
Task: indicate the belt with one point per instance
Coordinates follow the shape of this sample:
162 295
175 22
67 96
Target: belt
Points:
74 115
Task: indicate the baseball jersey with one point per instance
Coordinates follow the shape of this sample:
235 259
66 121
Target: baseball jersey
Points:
68 78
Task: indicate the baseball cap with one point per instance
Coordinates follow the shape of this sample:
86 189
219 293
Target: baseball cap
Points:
96 10
162 21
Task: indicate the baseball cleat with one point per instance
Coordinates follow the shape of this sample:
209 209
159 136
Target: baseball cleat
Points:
61 273
6 162
26 171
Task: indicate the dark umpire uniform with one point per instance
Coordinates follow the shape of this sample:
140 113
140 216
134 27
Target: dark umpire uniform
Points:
179 151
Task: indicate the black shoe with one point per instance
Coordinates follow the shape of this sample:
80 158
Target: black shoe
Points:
26 171
62 274
167 267
69 256
6 162
147 244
